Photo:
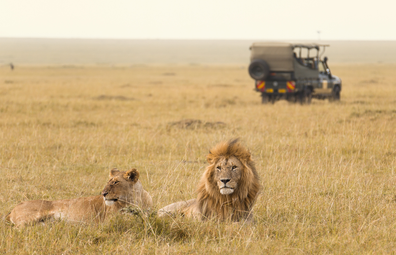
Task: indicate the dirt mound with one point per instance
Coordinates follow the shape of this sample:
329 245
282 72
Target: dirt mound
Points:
195 124
116 98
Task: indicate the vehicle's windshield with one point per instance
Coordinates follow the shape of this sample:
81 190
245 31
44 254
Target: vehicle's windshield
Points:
321 67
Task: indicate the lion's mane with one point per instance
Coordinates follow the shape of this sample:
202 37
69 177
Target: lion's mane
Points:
236 206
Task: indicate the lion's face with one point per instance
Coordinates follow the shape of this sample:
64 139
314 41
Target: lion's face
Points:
120 186
227 173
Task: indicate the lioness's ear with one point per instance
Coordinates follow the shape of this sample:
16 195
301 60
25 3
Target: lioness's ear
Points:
114 171
132 175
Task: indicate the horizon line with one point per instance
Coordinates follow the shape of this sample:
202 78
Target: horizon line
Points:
194 39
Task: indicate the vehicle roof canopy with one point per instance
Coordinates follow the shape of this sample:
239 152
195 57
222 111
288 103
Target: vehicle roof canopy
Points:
278 55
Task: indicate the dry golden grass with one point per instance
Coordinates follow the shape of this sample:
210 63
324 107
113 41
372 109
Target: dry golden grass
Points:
327 170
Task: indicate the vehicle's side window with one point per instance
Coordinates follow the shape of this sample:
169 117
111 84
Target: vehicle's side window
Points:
309 62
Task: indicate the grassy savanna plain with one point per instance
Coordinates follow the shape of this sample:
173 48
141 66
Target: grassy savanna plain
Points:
327 169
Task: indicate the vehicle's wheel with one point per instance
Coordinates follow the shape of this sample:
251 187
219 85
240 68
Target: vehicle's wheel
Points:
308 95
259 69
305 96
264 98
336 94
272 98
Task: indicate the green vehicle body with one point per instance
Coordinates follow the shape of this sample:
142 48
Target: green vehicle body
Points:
290 71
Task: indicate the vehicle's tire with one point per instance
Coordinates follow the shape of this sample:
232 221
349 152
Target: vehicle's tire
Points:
336 93
264 98
273 99
305 96
308 95
301 98
259 69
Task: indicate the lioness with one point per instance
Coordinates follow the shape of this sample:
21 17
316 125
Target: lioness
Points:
228 188
123 188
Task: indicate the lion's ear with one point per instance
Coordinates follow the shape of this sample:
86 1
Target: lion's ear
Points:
249 158
210 158
245 157
113 172
132 175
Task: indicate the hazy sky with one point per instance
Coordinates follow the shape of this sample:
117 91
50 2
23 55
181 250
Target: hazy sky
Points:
200 19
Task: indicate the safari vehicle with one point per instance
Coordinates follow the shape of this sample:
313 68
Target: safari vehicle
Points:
281 71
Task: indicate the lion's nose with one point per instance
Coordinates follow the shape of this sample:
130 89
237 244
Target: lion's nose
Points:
225 181
104 193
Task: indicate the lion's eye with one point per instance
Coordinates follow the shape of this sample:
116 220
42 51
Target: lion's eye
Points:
234 167
116 182
218 168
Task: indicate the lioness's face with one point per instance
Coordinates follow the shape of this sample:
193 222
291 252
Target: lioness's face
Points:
120 186
227 174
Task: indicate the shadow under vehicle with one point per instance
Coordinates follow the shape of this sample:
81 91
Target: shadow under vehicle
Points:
281 71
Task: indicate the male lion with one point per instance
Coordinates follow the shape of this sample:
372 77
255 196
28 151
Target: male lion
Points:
122 189
228 188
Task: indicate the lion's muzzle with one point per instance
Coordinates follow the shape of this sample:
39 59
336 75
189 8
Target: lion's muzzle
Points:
226 191
225 188
108 201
